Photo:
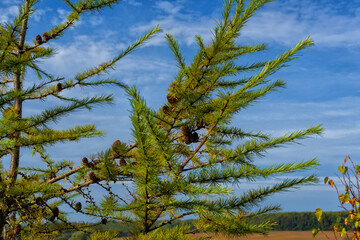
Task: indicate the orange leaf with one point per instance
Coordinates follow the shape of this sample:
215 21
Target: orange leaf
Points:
345 159
352 201
331 183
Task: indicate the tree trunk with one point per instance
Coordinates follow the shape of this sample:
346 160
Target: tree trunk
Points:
2 226
15 154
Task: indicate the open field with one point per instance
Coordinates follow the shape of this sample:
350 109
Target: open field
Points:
274 235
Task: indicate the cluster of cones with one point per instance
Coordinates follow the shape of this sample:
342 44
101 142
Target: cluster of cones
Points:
190 136
122 161
46 37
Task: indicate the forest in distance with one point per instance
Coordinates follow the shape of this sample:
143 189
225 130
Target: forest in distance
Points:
285 221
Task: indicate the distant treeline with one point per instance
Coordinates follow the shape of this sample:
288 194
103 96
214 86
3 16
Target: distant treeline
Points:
299 221
288 221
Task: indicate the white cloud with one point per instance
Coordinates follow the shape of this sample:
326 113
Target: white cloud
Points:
290 21
133 2
9 12
173 20
169 7
284 22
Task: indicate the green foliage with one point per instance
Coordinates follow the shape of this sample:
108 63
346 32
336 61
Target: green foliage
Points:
30 197
175 233
183 159
103 235
78 236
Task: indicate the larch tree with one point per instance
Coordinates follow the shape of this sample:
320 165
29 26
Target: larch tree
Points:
29 197
184 158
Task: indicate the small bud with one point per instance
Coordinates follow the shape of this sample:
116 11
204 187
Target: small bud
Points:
194 137
93 177
46 36
59 87
39 39
17 229
78 206
103 220
122 162
166 109
55 211
53 35
39 201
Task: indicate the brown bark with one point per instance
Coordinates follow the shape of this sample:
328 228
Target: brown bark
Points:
15 154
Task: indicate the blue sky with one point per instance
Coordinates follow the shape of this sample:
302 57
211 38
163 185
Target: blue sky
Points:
323 85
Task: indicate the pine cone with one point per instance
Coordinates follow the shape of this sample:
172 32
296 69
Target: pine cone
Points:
78 206
188 139
194 137
172 99
115 145
166 109
93 177
85 161
53 35
122 162
103 220
55 211
39 201
17 229
59 87
39 39
46 36
186 131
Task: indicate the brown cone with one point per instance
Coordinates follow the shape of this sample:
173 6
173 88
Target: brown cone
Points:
93 177
172 99
104 221
186 131
122 162
53 35
46 36
85 161
194 137
55 211
115 145
39 201
78 206
39 39
188 139
59 87
166 109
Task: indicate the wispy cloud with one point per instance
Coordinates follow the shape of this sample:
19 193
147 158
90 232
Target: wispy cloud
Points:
289 21
183 25
8 13
133 2
285 22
